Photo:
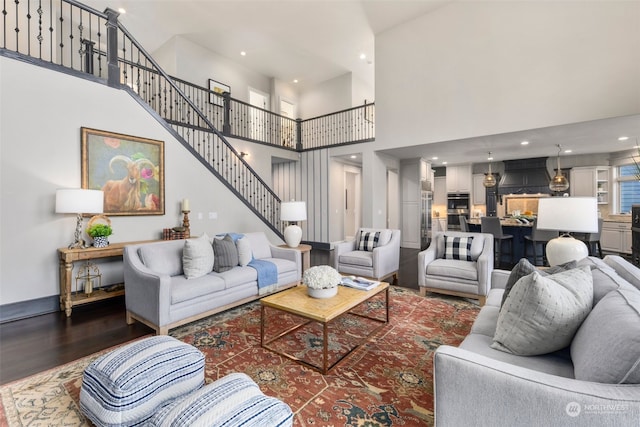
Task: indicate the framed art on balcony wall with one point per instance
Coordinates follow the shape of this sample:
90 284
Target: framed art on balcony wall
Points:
129 169
218 89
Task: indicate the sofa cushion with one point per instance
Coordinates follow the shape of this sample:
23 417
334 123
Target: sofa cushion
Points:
238 276
606 280
542 314
183 289
625 269
457 248
260 246
197 257
164 258
368 240
244 251
467 270
226 254
524 268
361 258
606 348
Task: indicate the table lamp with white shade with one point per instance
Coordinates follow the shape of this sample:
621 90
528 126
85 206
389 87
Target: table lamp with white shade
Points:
79 201
293 212
567 214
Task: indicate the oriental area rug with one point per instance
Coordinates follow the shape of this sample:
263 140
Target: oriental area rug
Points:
386 382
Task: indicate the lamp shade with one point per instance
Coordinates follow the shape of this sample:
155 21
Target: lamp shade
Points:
293 211
579 214
78 200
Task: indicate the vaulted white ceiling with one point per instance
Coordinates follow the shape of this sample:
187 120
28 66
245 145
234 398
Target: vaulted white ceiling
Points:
317 40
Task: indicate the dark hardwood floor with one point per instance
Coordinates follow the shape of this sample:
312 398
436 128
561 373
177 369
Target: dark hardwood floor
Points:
43 342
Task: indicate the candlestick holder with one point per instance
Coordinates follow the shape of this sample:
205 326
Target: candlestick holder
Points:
185 223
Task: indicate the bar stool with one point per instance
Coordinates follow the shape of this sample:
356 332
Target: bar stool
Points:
491 225
464 226
538 237
593 239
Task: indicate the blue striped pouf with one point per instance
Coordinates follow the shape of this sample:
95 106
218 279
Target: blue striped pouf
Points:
126 386
233 400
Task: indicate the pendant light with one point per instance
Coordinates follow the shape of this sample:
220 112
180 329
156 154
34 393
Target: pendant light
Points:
489 178
559 182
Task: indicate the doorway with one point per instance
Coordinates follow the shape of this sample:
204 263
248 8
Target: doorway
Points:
258 119
352 201
392 200
287 125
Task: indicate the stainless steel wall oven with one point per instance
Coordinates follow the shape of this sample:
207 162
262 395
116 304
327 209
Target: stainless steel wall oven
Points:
457 204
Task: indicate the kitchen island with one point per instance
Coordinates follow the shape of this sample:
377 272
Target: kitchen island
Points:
509 226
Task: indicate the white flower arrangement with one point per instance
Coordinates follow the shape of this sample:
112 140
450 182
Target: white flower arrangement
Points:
321 277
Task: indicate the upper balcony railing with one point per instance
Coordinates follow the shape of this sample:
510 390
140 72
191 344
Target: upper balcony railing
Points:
72 37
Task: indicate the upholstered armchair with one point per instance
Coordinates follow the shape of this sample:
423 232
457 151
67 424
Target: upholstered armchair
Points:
457 263
375 253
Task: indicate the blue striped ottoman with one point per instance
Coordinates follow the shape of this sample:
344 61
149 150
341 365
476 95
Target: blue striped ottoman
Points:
126 387
233 400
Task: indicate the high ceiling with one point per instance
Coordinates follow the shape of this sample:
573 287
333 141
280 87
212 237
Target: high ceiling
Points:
308 40
316 40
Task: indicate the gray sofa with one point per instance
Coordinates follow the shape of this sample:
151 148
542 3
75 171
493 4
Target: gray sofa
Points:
159 294
478 385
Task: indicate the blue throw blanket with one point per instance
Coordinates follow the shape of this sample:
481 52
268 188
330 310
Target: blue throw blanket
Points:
267 272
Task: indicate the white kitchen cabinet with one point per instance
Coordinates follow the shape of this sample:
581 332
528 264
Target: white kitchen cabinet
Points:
590 181
616 237
439 224
479 195
459 179
440 192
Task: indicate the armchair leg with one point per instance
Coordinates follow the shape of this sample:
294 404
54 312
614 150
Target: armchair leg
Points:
394 282
482 300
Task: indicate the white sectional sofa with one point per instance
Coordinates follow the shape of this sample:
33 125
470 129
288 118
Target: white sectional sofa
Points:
595 381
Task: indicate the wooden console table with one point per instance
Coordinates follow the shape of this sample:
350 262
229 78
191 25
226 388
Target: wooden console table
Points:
69 256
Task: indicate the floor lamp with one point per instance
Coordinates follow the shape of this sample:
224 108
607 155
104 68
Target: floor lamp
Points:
567 214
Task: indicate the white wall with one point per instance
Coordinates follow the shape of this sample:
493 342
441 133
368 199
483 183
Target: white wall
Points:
327 97
41 113
483 68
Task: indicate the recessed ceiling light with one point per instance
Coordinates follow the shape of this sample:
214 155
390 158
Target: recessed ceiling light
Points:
489 158
363 56
568 151
243 53
444 163
122 10
353 156
434 158
524 143
295 80
623 138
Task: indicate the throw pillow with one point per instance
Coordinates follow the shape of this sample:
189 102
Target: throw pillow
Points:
197 257
606 348
368 240
457 248
542 314
244 251
226 254
524 268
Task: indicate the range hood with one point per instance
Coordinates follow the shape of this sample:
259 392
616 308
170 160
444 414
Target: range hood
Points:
527 176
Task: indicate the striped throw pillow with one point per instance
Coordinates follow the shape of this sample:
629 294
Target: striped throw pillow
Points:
457 248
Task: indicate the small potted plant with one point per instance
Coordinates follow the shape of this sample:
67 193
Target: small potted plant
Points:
100 234
322 281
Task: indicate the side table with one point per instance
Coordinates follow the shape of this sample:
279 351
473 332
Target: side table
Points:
305 250
68 256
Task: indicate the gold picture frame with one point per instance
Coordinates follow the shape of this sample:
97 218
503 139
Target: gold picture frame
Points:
129 169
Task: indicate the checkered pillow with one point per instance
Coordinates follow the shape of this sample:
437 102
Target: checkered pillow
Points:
457 248
368 241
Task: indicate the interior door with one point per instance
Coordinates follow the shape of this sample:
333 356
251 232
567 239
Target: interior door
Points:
392 200
351 203
258 119
287 127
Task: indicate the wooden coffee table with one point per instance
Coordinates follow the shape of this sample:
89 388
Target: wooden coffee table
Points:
324 311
